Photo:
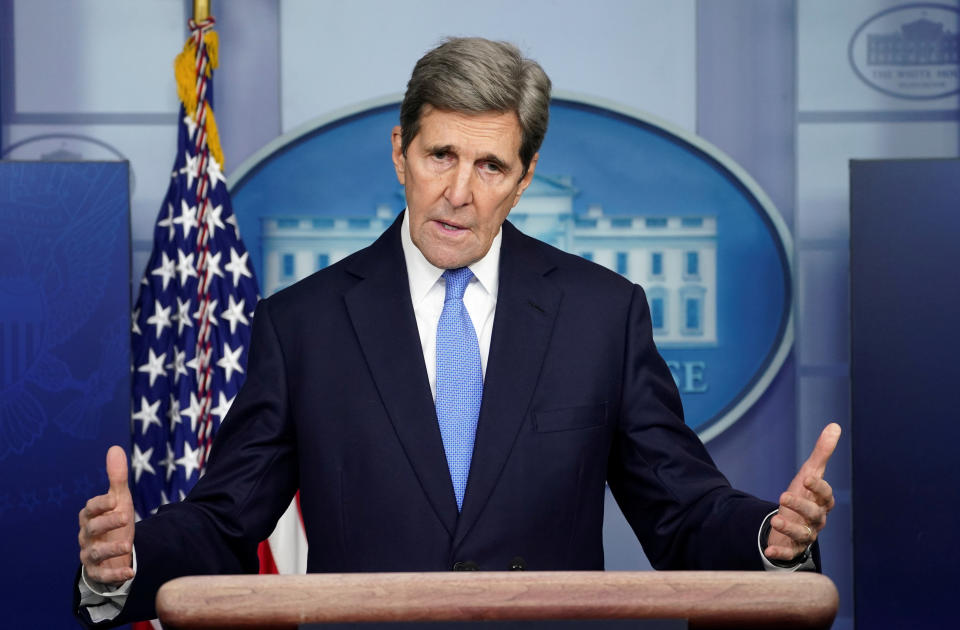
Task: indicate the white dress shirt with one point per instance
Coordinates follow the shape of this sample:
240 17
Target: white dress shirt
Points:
428 289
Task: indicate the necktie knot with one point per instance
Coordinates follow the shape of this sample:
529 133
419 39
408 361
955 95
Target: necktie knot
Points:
457 281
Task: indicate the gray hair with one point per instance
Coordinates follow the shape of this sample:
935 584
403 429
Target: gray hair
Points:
476 75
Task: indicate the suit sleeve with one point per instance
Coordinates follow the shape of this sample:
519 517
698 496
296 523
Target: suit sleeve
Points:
251 477
681 508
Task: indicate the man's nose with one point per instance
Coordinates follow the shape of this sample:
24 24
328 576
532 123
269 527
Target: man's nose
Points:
459 190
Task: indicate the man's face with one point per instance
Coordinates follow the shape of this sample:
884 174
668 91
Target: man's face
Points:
462 175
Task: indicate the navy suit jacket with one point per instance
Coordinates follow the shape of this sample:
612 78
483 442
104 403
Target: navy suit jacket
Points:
336 402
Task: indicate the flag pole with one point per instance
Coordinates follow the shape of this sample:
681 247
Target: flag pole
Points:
289 541
201 10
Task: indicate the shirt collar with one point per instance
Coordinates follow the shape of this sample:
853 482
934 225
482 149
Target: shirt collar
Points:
423 275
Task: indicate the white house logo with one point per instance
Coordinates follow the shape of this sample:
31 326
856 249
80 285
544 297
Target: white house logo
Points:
654 204
910 51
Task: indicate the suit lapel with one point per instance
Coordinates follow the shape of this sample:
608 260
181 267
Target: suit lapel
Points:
382 316
527 305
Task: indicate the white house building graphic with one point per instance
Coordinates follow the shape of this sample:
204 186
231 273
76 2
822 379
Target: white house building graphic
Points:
673 257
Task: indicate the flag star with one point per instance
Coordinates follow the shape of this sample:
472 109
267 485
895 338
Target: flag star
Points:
153 366
232 220
213 220
194 411
230 361
211 309
190 460
191 168
238 266
168 222
185 266
178 366
213 266
234 314
173 412
215 173
195 363
160 317
141 462
147 414
223 406
165 270
169 463
191 125
134 324
183 315
187 219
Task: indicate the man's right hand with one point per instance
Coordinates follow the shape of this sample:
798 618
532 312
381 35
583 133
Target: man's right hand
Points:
107 525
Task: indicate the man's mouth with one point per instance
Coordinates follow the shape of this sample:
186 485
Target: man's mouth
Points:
449 227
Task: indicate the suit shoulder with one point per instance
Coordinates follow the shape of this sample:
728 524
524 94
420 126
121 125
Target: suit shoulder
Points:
571 270
311 292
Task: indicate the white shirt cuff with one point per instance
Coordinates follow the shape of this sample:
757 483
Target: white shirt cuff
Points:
102 603
806 565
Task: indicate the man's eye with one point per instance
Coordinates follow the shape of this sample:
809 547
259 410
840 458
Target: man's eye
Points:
440 155
490 167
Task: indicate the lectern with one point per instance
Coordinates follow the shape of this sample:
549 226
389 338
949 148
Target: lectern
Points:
707 599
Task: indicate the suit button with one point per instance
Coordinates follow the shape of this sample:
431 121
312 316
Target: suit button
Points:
465 566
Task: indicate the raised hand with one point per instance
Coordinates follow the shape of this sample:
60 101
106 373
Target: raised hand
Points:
805 504
107 525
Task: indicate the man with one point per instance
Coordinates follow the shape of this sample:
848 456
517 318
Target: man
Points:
455 396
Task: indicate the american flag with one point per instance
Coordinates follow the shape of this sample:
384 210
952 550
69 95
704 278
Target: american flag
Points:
191 322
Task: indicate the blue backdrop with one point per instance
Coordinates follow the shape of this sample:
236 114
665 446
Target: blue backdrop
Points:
64 368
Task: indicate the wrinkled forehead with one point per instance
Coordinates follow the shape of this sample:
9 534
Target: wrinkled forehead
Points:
483 132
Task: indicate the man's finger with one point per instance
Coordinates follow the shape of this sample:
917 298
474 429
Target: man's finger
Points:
800 533
809 511
105 523
101 551
821 491
96 506
109 575
824 448
786 554
117 471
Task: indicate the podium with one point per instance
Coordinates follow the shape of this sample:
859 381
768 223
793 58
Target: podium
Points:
707 599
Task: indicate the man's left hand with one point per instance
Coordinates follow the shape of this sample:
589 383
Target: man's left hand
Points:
805 504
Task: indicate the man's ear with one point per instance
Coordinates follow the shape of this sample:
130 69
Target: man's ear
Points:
399 160
526 179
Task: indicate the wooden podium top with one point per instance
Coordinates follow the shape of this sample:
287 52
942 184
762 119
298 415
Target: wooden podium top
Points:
706 598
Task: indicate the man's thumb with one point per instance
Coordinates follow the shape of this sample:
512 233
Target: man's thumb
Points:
117 470
823 449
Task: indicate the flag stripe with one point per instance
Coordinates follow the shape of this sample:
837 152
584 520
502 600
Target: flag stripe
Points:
288 542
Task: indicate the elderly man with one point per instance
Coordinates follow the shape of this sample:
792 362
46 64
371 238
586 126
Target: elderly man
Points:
455 396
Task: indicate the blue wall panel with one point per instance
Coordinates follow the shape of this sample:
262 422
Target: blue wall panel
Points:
905 307
64 368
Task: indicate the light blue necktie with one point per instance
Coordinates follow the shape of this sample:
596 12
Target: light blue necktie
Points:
459 380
